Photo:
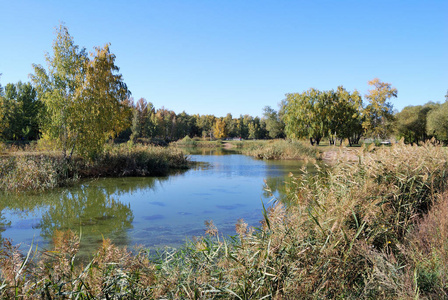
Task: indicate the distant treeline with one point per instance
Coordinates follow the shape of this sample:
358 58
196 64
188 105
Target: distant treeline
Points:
80 102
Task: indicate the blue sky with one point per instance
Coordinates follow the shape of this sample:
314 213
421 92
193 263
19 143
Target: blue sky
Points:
215 57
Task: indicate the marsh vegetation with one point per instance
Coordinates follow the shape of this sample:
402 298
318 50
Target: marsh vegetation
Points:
371 229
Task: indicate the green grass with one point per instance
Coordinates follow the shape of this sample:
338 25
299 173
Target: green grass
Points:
374 229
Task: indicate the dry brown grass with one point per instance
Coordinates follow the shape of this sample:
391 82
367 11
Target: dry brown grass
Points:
375 229
281 149
30 169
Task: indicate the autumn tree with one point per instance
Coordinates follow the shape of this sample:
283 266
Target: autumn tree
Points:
219 128
378 114
100 112
84 99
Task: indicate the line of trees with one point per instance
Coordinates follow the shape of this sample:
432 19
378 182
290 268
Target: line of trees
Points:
422 122
80 101
339 114
147 122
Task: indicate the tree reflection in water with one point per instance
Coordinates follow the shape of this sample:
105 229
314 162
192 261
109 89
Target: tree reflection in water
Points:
91 209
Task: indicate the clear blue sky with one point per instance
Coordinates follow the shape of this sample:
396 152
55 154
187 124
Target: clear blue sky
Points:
215 57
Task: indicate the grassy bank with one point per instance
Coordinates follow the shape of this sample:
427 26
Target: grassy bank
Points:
32 169
196 142
375 229
280 149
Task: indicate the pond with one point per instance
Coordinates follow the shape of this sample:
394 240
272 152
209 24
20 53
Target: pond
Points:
149 211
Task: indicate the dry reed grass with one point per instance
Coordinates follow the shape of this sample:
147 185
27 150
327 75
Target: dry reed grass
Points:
30 169
375 229
281 149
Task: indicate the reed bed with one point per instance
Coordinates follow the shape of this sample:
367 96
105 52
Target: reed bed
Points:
375 229
30 169
196 142
281 149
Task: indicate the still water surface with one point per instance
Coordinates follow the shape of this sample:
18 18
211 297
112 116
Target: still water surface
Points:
152 212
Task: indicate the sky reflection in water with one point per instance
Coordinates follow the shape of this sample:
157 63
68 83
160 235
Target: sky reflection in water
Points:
152 212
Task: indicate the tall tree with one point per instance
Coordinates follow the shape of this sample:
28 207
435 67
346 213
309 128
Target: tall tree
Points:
20 111
378 113
274 124
205 125
306 116
411 122
166 123
219 128
100 111
346 117
85 99
57 87
144 122
437 122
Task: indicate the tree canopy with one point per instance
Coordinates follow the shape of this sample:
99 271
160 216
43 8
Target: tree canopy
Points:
84 99
378 114
317 114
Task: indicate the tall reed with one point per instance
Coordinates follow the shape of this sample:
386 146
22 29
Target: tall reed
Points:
375 229
37 170
281 149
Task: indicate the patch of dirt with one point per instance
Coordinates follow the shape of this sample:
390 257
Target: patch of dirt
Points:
227 146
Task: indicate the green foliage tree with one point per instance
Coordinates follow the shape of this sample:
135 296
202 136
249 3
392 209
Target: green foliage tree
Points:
411 122
186 126
317 114
346 116
144 121
378 114
205 125
437 122
274 125
20 111
254 130
166 123
230 125
305 116
57 87
84 99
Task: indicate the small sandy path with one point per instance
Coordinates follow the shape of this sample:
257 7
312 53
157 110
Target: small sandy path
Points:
227 146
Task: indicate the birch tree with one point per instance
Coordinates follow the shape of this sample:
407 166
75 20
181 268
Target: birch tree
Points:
85 100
